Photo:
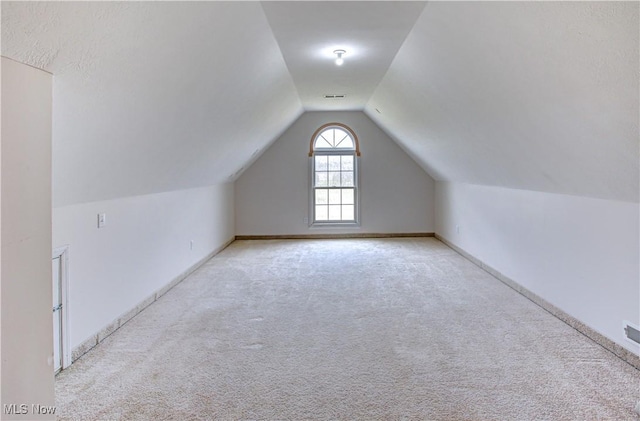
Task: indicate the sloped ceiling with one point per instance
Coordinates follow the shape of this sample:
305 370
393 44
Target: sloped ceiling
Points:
159 96
153 96
371 32
530 95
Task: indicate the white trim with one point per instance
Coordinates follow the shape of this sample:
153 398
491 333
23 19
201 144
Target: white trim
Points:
120 321
334 224
313 152
63 253
356 192
617 349
310 192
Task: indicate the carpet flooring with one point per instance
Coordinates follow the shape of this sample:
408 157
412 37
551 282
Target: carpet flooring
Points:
364 329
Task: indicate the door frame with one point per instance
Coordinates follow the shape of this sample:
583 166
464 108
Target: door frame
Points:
63 253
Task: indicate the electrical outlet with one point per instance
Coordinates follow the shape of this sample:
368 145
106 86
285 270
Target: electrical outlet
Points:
457 229
305 219
102 220
191 245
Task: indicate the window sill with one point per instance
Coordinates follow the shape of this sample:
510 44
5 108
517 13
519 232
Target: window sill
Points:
322 225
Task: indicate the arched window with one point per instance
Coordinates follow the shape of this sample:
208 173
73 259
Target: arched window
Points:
334 151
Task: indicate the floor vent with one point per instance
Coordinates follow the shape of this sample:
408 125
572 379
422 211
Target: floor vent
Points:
632 332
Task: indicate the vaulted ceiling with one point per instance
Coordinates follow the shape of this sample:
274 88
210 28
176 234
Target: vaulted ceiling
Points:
158 96
371 33
530 95
153 96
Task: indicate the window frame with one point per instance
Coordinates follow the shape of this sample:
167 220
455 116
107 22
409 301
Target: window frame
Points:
355 153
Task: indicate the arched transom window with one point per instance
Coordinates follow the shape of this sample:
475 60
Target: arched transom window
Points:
333 138
334 176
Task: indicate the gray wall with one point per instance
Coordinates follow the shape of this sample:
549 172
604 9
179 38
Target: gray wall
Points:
272 196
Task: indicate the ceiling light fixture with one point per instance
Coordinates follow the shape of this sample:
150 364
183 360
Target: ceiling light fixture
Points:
339 59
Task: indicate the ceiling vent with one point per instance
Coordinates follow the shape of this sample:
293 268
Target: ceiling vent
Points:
334 96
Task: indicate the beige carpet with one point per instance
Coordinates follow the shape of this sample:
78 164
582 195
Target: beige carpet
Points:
379 329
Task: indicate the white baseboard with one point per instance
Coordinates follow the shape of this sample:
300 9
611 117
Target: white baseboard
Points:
590 333
106 331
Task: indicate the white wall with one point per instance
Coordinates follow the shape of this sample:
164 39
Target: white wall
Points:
25 277
272 196
580 254
144 246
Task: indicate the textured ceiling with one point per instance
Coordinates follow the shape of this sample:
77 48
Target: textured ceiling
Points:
371 32
159 96
153 96
530 95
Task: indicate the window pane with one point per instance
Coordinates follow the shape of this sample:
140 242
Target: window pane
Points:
334 138
342 139
322 143
322 197
347 179
334 212
321 213
347 162
347 196
334 178
321 163
348 212
347 143
321 179
334 196
334 163
329 137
